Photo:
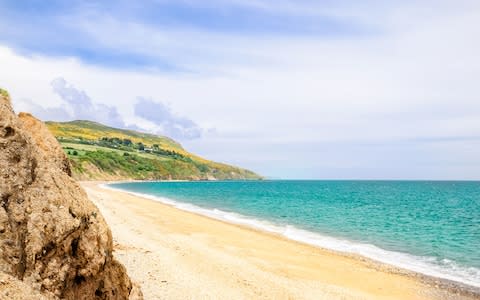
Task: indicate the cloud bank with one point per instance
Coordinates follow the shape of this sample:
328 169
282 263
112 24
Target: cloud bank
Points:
77 105
170 123
394 96
82 107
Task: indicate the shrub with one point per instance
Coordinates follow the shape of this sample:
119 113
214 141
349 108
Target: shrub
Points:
4 93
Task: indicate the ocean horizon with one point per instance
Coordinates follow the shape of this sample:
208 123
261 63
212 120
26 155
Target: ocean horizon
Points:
429 227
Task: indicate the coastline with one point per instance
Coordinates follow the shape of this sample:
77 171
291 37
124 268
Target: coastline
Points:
281 268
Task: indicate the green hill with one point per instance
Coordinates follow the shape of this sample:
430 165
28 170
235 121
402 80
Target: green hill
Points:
99 152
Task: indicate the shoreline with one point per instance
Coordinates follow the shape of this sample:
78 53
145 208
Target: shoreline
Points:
420 286
278 230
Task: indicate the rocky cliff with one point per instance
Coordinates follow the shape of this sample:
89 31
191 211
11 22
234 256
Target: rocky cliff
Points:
54 242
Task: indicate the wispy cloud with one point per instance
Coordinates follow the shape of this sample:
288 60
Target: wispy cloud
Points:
157 35
82 107
170 123
76 104
57 113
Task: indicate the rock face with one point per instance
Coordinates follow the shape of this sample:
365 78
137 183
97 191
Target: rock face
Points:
52 238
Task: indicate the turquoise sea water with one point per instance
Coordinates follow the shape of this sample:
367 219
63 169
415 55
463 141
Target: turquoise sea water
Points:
428 227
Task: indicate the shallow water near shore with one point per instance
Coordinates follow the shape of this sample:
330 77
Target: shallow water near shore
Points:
428 227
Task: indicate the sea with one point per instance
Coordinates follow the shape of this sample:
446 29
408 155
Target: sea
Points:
430 227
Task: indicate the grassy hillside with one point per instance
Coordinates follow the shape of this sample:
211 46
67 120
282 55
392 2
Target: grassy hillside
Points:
97 152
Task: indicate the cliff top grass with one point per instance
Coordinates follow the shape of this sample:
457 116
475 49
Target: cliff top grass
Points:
4 93
88 130
137 154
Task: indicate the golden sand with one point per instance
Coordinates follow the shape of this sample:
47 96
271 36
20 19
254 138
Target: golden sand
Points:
175 254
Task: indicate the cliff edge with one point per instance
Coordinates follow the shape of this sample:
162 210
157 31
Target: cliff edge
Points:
53 241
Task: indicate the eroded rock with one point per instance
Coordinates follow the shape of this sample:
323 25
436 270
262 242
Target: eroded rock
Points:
52 238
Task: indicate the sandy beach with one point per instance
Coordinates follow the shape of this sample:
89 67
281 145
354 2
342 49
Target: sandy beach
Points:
175 254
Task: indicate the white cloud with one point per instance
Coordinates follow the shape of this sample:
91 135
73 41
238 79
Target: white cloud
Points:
370 105
170 123
81 106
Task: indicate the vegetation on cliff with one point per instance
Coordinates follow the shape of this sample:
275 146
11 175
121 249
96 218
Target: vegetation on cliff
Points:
4 93
97 151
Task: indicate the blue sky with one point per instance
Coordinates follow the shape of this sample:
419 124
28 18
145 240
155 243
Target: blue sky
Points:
290 89
56 29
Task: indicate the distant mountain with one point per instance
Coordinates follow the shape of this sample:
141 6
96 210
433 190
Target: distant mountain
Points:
99 152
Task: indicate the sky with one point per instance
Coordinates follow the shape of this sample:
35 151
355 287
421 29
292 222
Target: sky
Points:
290 89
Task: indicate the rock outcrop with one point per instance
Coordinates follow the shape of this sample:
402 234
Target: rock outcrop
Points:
53 240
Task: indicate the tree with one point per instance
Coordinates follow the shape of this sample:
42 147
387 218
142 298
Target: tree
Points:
141 147
75 153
